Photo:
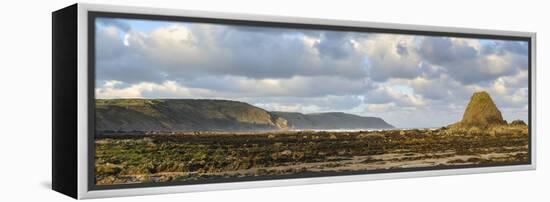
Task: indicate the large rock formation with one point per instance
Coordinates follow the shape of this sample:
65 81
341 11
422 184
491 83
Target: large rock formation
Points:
481 112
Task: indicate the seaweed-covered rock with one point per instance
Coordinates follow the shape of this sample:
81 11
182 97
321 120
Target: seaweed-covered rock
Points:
518 123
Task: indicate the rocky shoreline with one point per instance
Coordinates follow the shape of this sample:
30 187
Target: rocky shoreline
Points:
191 157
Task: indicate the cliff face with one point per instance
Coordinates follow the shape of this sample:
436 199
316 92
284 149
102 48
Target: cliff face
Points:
331 120
182 114
219 115
481 112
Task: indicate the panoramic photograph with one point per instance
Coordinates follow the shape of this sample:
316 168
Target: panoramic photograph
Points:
196 102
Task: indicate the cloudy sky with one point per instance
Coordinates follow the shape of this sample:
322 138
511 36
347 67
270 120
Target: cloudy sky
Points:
408 80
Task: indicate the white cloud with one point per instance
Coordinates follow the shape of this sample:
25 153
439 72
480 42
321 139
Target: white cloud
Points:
466 62
390 56
167 89
499 87
380 107
384 95
239 52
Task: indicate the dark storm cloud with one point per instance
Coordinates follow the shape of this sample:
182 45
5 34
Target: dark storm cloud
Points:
469 65
257 55
381 68
284 54
129 70
430 71
440 88
335 45
115 61
439 50
108 44
402 50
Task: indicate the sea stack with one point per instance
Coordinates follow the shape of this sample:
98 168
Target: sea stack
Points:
481 112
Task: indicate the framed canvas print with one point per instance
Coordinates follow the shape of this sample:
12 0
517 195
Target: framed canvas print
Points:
150 101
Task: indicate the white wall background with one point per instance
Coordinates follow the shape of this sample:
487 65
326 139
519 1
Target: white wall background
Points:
25 90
